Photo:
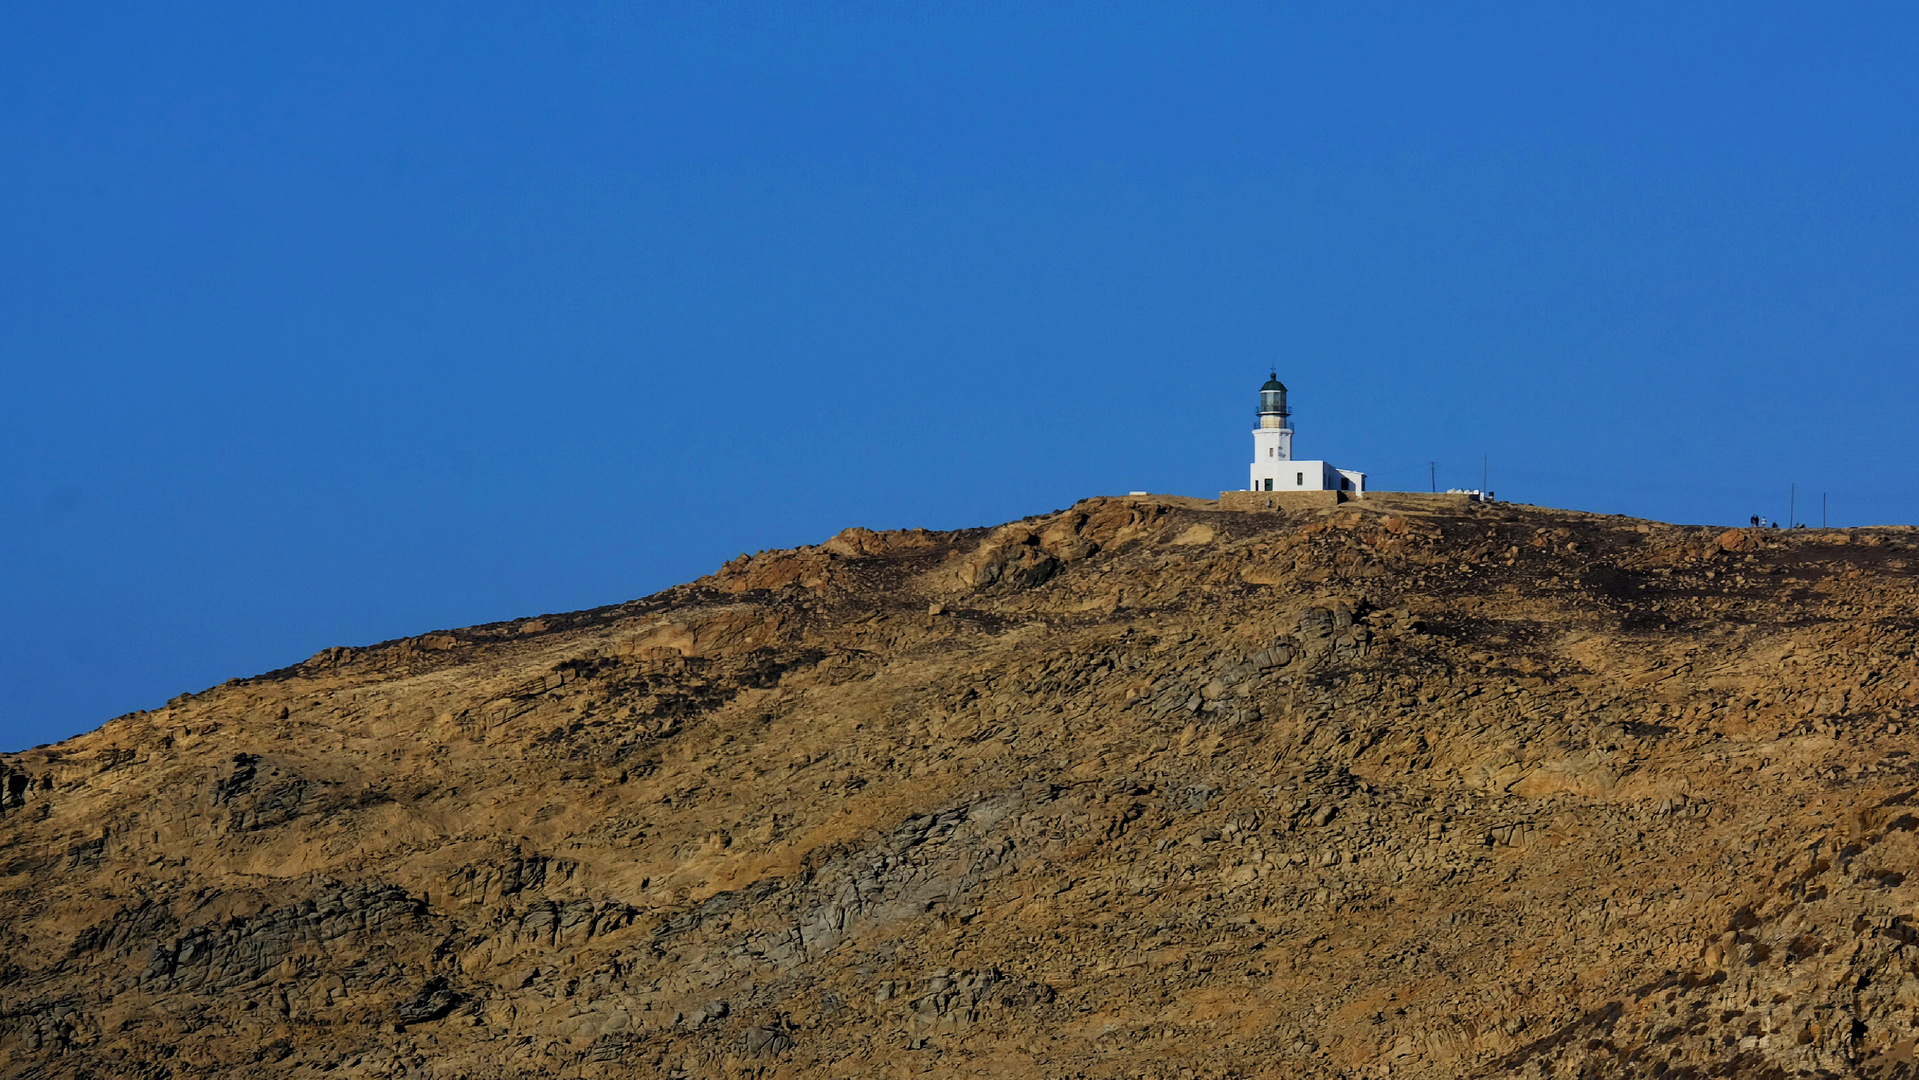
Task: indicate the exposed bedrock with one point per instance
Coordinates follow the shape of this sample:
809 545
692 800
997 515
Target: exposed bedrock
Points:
1399 787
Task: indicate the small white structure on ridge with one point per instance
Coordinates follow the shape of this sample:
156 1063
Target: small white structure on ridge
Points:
1275 468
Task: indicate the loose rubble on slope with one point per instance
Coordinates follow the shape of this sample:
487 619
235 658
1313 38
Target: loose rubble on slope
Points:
1142 788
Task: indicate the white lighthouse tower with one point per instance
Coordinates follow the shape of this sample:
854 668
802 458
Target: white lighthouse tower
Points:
1273 438
1274 467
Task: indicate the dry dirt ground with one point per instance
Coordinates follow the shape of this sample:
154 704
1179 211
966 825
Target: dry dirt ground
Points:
1408 788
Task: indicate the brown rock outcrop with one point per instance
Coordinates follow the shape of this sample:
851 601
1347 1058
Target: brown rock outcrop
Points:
1139 788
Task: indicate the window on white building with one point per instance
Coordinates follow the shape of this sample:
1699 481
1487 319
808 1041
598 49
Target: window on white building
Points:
1299 478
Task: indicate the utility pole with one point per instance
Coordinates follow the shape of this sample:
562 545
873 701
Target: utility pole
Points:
1822 509
1432 475
1482 473
1792 504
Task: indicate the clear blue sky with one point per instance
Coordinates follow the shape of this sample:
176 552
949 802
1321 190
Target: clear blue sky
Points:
331 323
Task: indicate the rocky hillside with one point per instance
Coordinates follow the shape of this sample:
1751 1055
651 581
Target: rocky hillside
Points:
1407 788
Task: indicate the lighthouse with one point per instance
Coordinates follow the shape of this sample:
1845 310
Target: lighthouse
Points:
1275 468
1273 438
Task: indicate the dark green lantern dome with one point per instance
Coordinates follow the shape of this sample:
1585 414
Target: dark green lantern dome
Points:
1272 403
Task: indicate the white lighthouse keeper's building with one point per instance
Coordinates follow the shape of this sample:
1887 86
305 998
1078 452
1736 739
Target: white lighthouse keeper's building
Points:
1275 468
